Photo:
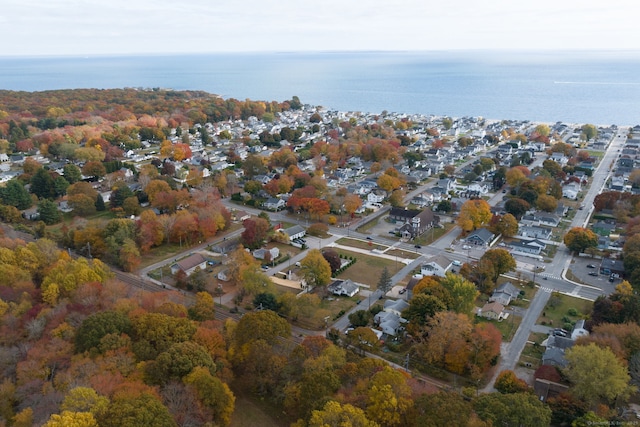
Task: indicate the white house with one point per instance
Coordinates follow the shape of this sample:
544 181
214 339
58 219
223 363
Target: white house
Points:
343 287
189 264
374 197
571 190
224 275
274 204
262 253
437 265
295 232
504 294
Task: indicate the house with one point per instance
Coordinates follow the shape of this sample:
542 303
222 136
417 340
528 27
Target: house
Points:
546 389
571 190
480 237
603 228
611 266
189 264
295 232
274 204
395 306
534 231
224 275
437 265
241 215
504 294
492 310
262 253
533 246
559 158
389 322
343 287
548 219
418 221
579 330
555 348
375 197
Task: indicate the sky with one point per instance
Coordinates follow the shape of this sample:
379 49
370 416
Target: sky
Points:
108 27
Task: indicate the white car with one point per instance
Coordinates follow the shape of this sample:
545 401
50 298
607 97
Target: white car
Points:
456 262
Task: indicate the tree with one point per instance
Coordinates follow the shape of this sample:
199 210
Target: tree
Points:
589 132
315 269
333 259
48 211
75 419
203 309
336 414
442 409
596 374
42 184
388 182
360 318
507 382
578 239
71 173
14 194
384 282
462 293
94 169
213 393
507 225
516 207
97 326
178 361
253 166
143 410
502 261
255 232
447 345
517 409
352 203
474 214
547 203
444 206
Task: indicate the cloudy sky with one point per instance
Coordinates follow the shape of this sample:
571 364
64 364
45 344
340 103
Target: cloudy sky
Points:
86 27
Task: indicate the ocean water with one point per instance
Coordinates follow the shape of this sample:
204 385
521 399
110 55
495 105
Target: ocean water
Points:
575 87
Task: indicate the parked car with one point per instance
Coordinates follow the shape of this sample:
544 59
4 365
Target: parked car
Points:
418 247
591 266
456 262
369 238
402 291
593 273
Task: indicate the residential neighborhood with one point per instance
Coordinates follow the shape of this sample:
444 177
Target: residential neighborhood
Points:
471 253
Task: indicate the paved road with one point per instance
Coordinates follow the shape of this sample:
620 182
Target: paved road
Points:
556 271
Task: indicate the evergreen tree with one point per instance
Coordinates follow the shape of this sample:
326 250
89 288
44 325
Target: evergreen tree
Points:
384 284
14 194
100 206
42 184
48 211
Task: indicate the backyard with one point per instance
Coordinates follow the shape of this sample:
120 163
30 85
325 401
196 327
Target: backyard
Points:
563 311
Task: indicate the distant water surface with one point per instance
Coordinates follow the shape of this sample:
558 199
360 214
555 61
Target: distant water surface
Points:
601 87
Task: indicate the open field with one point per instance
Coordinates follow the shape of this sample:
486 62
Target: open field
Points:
367 269
507 327
360 244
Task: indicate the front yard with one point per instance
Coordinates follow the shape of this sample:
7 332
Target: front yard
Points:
563 311
367 269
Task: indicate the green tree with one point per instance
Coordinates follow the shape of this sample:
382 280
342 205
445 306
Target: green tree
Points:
97 326
384 282
589 132
178 361
422 307
360 318
516 207
144 410
48 211
518 409
42 184
578 239
14 194
597 374
442 409
463 293
71 173
315 269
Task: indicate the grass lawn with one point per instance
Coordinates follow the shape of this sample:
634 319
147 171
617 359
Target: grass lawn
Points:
434 234
400 253
533 351
367 269
368 226
559 311
360 244
284 248
507 327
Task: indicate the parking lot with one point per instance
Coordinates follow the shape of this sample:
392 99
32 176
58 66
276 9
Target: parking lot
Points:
587 270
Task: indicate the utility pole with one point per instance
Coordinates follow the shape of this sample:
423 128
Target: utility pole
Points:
406 363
